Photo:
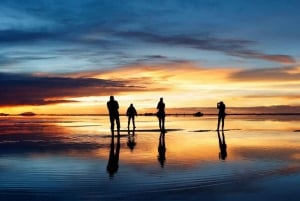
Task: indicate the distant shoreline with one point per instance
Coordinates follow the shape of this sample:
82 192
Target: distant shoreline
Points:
171 114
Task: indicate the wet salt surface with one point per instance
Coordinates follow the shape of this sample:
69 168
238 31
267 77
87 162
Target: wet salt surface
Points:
66 158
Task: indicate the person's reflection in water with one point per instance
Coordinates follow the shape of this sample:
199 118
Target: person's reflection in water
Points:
223 146
113 160
131 140
162 149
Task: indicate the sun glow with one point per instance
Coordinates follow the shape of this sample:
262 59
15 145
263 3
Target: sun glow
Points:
182 84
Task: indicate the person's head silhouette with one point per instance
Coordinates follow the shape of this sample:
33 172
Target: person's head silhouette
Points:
111 98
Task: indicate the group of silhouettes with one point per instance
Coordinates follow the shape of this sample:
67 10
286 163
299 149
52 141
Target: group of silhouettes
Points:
113 109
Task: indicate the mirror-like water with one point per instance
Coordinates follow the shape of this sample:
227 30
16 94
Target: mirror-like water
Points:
76 158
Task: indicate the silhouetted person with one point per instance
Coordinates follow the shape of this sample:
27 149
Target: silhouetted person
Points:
131 113
131 140
221 116
113 107
223 146
113 160
162 149
161 114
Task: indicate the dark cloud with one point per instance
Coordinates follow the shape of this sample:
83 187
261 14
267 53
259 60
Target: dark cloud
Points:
101 32
18 36
285 59
271 74
151 59
200 43
15 59
4 60
17 89
233 47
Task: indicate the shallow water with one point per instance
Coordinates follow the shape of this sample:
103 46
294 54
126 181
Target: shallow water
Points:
67 158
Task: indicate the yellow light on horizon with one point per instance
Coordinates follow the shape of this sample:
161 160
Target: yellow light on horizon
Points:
181 84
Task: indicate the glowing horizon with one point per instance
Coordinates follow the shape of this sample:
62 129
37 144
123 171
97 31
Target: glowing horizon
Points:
193 54
186 85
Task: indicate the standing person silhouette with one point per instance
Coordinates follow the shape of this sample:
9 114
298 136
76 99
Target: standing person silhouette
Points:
221 116
113 106
161 114
131 113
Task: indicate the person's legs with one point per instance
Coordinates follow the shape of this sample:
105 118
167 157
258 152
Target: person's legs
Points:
163 123
219 119
128 122
223 118
112 123
133 122
118 122
159 122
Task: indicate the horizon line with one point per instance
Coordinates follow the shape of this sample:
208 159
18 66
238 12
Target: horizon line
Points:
154 114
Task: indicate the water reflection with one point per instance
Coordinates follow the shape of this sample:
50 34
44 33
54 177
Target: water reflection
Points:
162 149
222 146
40 155
131 139
113 160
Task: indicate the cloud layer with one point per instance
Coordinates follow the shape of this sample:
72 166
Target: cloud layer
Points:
18 89
230 50
91 35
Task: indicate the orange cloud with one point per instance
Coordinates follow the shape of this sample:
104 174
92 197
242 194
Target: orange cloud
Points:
271 74
182 84
167 76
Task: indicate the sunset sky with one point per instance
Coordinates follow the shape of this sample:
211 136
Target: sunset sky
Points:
70 56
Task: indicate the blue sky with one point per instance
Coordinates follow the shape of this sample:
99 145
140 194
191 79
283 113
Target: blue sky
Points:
69 36
246 51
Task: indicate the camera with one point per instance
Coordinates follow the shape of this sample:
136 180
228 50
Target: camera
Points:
219 104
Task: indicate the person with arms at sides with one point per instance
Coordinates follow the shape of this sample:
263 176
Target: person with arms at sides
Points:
131 113
161 114
113 109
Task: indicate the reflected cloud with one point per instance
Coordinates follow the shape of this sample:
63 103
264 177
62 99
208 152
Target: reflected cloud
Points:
40 144
42 138
263 153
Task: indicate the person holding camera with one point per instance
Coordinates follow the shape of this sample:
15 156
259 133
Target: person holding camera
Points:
221 116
